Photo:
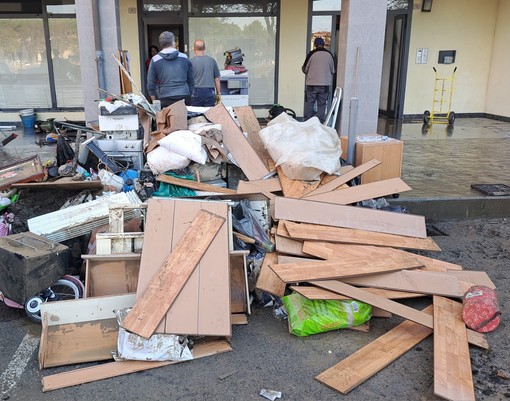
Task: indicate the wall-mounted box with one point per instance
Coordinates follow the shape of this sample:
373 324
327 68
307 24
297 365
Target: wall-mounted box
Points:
447 56
388 151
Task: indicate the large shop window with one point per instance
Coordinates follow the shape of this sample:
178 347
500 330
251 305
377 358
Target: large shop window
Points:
255 36
25 65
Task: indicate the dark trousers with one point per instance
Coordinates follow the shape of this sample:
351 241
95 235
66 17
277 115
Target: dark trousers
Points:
316 94
203 97
167 101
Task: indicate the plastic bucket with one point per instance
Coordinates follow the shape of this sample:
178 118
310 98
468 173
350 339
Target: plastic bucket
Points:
28 121
26 112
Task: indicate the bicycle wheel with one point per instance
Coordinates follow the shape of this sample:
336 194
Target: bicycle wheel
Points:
61 290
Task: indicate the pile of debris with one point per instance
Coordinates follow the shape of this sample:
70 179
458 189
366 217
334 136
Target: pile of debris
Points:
173 267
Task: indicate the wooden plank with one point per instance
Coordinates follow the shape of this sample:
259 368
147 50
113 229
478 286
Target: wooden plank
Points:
268 280
327 250
453 378
362 192
199 186
259 186
164 288
312 292
295 188
238 284
288 245
372 358
473 277
317 232
414 315
344 178
341 268
65 183
247 159
350 217
238 319
114 369
423 282
251 126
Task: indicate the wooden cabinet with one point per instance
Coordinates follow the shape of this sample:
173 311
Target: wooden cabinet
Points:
387 150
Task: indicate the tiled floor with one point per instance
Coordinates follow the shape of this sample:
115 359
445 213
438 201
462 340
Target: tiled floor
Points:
438 162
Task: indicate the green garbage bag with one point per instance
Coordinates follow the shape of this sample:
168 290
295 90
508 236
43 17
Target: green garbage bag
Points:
174 191
308 316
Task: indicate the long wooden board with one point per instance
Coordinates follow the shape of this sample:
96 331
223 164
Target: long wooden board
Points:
246 158
317 232
362 192
312 292
251 126
343 178
372 358
199 186
66 183
341 268
259 186
114 369
453 378
166 285
422 282
81 330
306 211
404 311
289 246
268 280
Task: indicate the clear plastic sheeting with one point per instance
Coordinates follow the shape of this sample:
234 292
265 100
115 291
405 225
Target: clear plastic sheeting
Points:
303 149
159 347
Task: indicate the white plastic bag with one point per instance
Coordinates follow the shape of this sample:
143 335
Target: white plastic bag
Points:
161 160
185 143
109 179
303 149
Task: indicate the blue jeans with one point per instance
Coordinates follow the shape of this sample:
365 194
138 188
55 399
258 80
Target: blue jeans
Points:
203 97
316 94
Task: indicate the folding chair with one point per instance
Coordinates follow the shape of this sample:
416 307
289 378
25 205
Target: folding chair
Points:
333 111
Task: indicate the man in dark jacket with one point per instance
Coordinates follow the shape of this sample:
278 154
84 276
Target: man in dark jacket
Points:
319 67
170 73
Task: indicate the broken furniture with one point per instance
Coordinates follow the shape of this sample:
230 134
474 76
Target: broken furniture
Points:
24 170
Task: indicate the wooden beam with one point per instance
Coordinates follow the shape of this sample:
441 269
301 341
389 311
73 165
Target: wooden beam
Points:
317 232
312 292
166 285
362 192
341 268
62 183
199 186
251 126
372 358
259 186
416 316
453 378
306 211
114 369
247 159
343 178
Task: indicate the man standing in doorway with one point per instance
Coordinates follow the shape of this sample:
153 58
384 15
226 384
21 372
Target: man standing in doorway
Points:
206 75
170 73
319 67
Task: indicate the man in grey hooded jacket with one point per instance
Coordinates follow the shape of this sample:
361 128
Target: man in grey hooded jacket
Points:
170 73
319 67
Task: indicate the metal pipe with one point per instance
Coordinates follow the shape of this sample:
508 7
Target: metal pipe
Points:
351 135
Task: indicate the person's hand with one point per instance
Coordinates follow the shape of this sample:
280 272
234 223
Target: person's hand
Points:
218 98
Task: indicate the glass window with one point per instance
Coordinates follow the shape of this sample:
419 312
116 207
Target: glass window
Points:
321 28
231 6
21 7
327 5
162 5
24 79
66 62
255 36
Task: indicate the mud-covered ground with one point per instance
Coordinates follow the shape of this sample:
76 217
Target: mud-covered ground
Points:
265 355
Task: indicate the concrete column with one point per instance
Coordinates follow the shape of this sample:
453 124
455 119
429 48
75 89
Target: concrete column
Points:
360 57
98 36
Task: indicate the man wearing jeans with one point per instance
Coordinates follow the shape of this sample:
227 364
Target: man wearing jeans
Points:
319 67
207 77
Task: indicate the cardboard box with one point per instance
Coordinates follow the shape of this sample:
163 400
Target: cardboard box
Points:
388 151
30 263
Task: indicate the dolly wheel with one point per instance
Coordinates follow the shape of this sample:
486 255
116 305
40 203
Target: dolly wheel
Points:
451 117
426 116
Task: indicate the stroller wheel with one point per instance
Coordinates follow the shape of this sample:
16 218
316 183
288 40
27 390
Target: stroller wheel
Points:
33 308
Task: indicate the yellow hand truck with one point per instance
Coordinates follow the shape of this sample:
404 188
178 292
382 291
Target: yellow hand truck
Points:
443 94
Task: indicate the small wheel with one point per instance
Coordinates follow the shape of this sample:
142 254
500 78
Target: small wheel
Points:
33 308
426 116
451 117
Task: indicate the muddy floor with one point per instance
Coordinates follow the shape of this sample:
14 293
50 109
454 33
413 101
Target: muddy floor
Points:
266 356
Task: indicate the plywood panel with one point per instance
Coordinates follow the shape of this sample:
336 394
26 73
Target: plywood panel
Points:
251 126
453 379
350 217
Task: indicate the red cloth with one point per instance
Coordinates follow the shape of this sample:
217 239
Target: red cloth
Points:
480 309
